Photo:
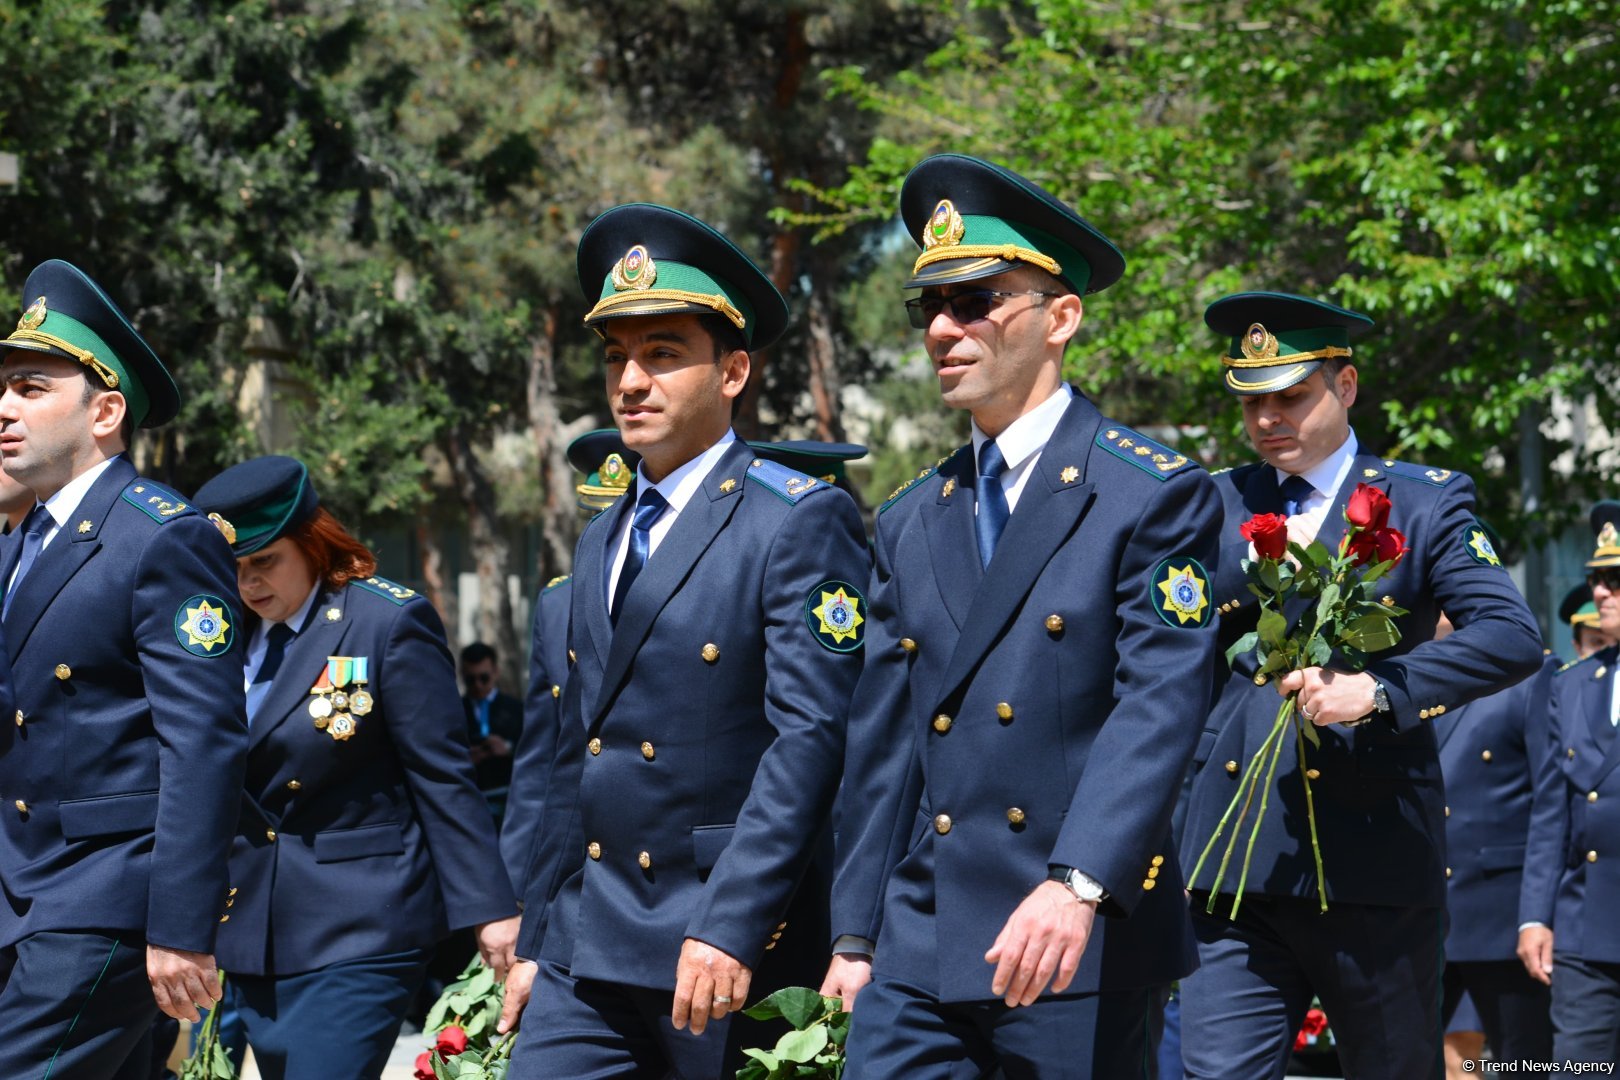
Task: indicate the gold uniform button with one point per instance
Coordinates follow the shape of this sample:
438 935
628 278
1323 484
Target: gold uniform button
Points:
1423 714
231 902
647 751
942 824
1054 624
1015 815
224 918
1572 753
644 860
270 835
1158 860
593 849
570 656
711 652
1232 767
777 936
232 892
1448 811
781 926
1259 680
594 746
1448 871
1004 711
19 718
294 785
1591 796
908 645
1149 884
1591 856
1486 756
556 691
1313 774
64 672
1438 710
1153 872
942 723
22 807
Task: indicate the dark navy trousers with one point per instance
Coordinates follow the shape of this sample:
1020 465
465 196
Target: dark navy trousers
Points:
76 1006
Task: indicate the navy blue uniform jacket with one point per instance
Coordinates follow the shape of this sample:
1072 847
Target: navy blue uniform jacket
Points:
1490 752
1380 803
1572 871
537 746
376 844
706 732
1040 712
123 769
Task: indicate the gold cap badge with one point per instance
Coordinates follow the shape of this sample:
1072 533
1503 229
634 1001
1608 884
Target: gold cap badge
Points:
945 226
1259 343
34 316
635 271
226 529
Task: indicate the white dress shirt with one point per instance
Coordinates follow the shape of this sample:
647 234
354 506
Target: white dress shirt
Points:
1021 444
65 502
1324 478
260 644
677 489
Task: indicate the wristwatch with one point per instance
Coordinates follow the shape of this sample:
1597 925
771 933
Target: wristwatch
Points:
1085 888
1381 706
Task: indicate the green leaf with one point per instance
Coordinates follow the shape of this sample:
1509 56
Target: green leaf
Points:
1270 577
1328 602
1372 633
459 1003
800 1006
1317 555
481 983
1272 628
770 1061
753 1070
1311 735
1244 644
802 1045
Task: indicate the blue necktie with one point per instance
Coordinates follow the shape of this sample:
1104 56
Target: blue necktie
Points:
33 540
649 508
275 651
483 718
993 511
1295 490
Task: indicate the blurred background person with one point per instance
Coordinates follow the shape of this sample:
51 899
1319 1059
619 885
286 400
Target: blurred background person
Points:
494 724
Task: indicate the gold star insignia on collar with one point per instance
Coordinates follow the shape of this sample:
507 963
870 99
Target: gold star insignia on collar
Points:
950 486
333 614
85 526
1070 474
727 485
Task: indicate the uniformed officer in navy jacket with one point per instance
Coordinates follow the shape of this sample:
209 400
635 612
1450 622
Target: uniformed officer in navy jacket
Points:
123 768
600 456
1569 935
1374 957
363 839
1490 751
1042 645
717 629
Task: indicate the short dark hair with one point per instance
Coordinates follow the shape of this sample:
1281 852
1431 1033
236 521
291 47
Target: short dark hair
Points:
126 430
477 653
1333 365
724 333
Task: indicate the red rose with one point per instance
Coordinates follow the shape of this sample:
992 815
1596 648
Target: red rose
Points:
1300 1041
1391 545
1368 508
452 1041
1315 1022
424 1065
1268 533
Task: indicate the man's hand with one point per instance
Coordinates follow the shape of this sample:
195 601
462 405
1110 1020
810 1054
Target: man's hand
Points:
1536 953
182 982
708 984
1046 936
519 982
496 940
1329 697
497 746
847 973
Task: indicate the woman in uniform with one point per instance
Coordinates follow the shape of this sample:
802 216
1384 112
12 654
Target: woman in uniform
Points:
362 839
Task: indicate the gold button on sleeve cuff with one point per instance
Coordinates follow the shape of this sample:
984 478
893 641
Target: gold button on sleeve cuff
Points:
644 860
711 652
270 835
1004 711
942 723
593 849
1015 815
942 824
908 645
1054 624
64 672
594 746
1232 767
647 751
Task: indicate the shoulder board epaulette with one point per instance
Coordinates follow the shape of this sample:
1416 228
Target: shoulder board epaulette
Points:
156 501
1152 458
1575 664
1428 474
790 485
386 589
561 579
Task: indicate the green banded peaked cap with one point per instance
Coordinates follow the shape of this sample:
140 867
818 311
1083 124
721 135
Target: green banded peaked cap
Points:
68 315
608 465
975 219
1605 517
258 501
1577 608
1279 339
644 259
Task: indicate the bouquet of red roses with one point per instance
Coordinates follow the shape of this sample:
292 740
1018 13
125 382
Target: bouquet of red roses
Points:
1333 595
462 1022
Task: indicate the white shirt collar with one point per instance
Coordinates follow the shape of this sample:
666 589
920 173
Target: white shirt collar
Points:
296 623
683 481
62 505
1029 434
1326 475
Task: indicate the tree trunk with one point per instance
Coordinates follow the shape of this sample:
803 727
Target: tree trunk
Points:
492 557
559 525
821 353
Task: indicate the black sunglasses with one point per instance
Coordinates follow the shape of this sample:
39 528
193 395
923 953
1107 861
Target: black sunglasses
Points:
1608 577
965 307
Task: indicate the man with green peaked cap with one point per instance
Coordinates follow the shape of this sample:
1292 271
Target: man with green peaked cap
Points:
1041 647
123 770
1568 935
716 634
1580 614
1374 956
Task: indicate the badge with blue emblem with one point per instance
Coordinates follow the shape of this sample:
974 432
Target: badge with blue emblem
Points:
833 612
1183 587
1480 548
202 626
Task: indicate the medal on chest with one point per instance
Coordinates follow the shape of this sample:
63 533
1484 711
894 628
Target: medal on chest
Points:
340 696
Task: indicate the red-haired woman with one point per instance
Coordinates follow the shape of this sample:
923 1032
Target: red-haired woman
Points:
362 839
